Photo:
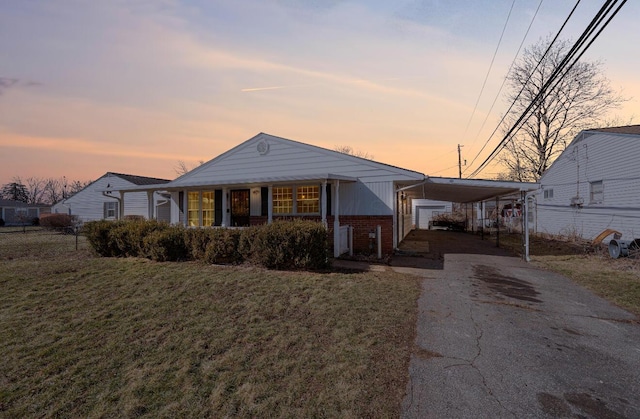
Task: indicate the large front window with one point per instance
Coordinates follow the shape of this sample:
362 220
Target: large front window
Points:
208 208
201 204
283 200
303 199
193 208
308 199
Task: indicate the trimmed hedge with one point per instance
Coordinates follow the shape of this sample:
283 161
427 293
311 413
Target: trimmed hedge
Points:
57 220
281 245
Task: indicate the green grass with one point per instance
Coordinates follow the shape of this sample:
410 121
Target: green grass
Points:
82 336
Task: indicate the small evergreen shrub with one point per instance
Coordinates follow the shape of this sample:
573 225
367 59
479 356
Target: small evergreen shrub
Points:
294 244
168 244
99 237
197 240
223 246
246 240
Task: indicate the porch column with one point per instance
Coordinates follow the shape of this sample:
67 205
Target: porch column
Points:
323 203
225 209
150 205
270 205
336 220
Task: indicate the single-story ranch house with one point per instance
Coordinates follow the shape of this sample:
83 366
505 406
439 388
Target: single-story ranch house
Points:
593 185
19 213
100 200
268 178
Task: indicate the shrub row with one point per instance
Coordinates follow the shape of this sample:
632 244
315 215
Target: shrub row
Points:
281 245
57 220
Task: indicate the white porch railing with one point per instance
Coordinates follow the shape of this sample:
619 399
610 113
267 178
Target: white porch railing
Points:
345 240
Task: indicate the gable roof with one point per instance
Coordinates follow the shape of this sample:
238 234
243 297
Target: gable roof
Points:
627 129
10 203
268 158
138 180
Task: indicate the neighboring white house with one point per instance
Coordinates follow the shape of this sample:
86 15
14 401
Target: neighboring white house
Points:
593 185
100 199
423 211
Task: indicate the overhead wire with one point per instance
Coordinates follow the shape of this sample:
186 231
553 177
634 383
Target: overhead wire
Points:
559 73
486 77
504 80
555 38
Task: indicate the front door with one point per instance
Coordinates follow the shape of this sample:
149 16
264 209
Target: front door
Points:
240 208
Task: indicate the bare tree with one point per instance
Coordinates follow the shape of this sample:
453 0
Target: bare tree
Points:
35 190
347 149
578 101
182 168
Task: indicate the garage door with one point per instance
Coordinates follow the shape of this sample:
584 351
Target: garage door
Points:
424 215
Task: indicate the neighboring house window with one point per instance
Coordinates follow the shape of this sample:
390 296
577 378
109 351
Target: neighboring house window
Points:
208 208
596 192
111 210
308 199
548 193
283 200
193 208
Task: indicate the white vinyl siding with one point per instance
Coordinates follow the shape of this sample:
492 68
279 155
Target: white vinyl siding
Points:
594 165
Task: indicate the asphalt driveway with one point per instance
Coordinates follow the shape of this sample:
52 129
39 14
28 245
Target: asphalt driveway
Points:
499 338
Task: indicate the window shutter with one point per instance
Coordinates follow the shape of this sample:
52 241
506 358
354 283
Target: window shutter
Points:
264 196
116 211
328 199
181 201
104 210
217 203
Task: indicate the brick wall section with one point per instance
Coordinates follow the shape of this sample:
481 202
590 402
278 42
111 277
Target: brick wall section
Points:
362 225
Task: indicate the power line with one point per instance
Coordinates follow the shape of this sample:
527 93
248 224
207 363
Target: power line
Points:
486 77
504 80
564 67
555 38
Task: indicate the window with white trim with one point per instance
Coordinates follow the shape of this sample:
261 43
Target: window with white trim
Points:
596 192
111 210
548 193
299 200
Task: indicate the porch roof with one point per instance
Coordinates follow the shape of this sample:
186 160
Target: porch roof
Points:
465 190
249 182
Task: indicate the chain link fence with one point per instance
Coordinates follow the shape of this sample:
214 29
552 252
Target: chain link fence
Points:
40 242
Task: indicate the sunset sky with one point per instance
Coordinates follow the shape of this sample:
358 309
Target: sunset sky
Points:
134 86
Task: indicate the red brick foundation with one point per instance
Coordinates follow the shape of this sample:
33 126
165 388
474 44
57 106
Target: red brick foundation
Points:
362 225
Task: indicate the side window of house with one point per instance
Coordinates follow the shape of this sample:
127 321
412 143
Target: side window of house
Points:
111 210
596 192
548 193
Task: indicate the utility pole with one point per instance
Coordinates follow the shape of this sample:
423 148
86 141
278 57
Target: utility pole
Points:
459 162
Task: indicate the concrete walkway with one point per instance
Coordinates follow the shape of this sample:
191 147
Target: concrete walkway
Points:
498 338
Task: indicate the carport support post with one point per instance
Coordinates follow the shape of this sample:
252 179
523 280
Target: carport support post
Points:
497 222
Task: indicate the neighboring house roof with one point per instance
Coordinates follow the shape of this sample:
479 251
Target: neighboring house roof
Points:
139 180
10 203
622 130
627 129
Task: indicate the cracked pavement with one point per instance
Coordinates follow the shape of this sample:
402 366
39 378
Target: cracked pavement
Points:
498 338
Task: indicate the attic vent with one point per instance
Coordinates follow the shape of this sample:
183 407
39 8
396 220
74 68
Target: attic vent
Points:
262 147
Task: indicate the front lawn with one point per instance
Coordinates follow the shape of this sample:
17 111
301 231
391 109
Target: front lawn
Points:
82 336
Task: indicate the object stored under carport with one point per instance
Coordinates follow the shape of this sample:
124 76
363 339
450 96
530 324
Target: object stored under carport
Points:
618 248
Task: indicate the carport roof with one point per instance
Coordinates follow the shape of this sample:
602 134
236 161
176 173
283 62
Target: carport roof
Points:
466 190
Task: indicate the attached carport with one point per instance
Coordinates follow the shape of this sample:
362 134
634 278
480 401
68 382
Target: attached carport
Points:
470 191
